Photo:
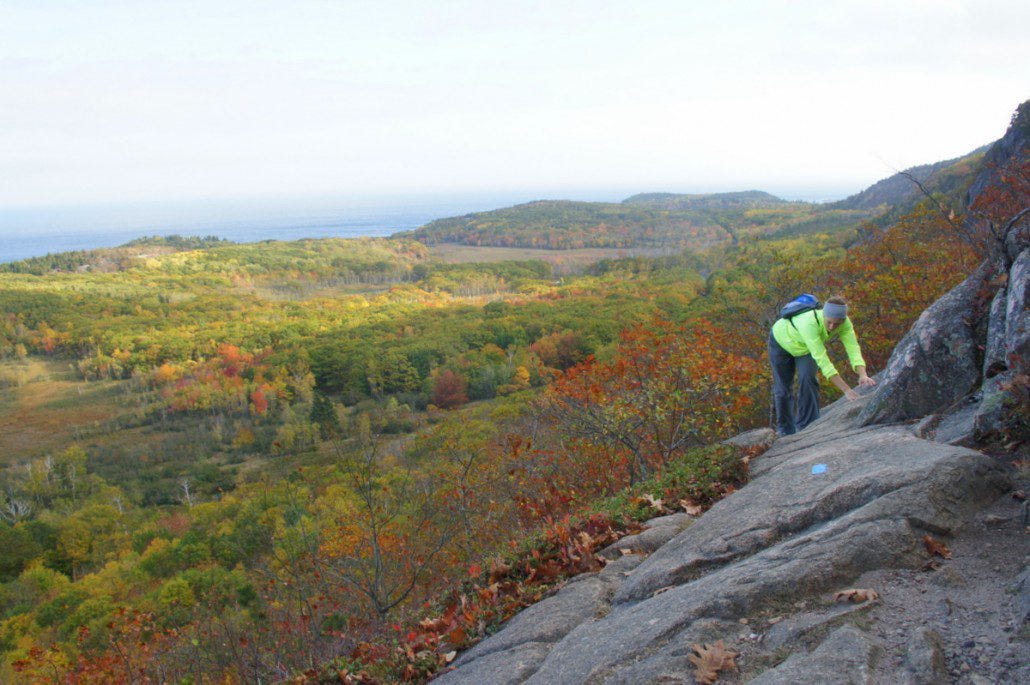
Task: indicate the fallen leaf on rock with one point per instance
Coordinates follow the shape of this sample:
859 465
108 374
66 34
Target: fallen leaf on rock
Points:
449 656
710 659
856 595
936 547
662 589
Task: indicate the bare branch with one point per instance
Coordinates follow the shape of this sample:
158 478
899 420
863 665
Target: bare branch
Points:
948 215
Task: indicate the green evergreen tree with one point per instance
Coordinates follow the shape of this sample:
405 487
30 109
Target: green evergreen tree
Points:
323 413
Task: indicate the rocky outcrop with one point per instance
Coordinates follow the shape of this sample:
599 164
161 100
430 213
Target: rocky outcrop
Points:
938 362
963 364
793 532
847 656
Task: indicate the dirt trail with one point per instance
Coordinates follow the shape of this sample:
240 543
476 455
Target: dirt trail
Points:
970 600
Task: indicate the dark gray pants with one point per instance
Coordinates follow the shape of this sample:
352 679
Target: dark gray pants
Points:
784 364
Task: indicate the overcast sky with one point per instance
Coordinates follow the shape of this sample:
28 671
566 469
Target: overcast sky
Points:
125 101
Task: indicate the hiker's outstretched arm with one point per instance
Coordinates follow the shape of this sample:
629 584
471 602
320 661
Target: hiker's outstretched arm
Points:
843 387
863 378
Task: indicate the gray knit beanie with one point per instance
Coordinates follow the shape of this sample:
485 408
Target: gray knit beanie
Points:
831 310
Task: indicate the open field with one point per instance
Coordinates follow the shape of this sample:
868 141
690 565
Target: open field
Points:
52 407
564 261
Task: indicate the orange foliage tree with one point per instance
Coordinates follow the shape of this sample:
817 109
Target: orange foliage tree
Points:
1003 205
893 275
449 390
668 388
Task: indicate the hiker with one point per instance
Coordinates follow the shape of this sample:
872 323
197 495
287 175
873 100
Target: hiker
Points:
798 341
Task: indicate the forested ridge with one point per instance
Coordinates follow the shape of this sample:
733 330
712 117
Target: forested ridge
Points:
344 460
695 222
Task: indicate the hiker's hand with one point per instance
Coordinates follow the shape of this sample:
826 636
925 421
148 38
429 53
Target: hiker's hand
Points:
865 381
851 394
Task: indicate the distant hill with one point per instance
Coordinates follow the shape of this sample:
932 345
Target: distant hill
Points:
563 224
897 194
118 258
647 220
674 201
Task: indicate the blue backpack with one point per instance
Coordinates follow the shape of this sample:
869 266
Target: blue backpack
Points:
799 305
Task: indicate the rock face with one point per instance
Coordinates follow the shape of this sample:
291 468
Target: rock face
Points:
789 533
846 656
1005 405
924 662
938 362
964 362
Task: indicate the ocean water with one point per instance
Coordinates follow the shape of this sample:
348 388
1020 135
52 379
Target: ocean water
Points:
18 245
33 232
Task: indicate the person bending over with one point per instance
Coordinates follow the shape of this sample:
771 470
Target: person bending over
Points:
799 342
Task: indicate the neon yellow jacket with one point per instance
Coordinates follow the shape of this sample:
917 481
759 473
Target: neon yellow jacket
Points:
808 335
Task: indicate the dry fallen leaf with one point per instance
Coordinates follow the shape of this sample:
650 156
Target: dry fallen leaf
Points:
710 659
691 508
651 501
457 636
936 547
856 595
449 656
498 570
